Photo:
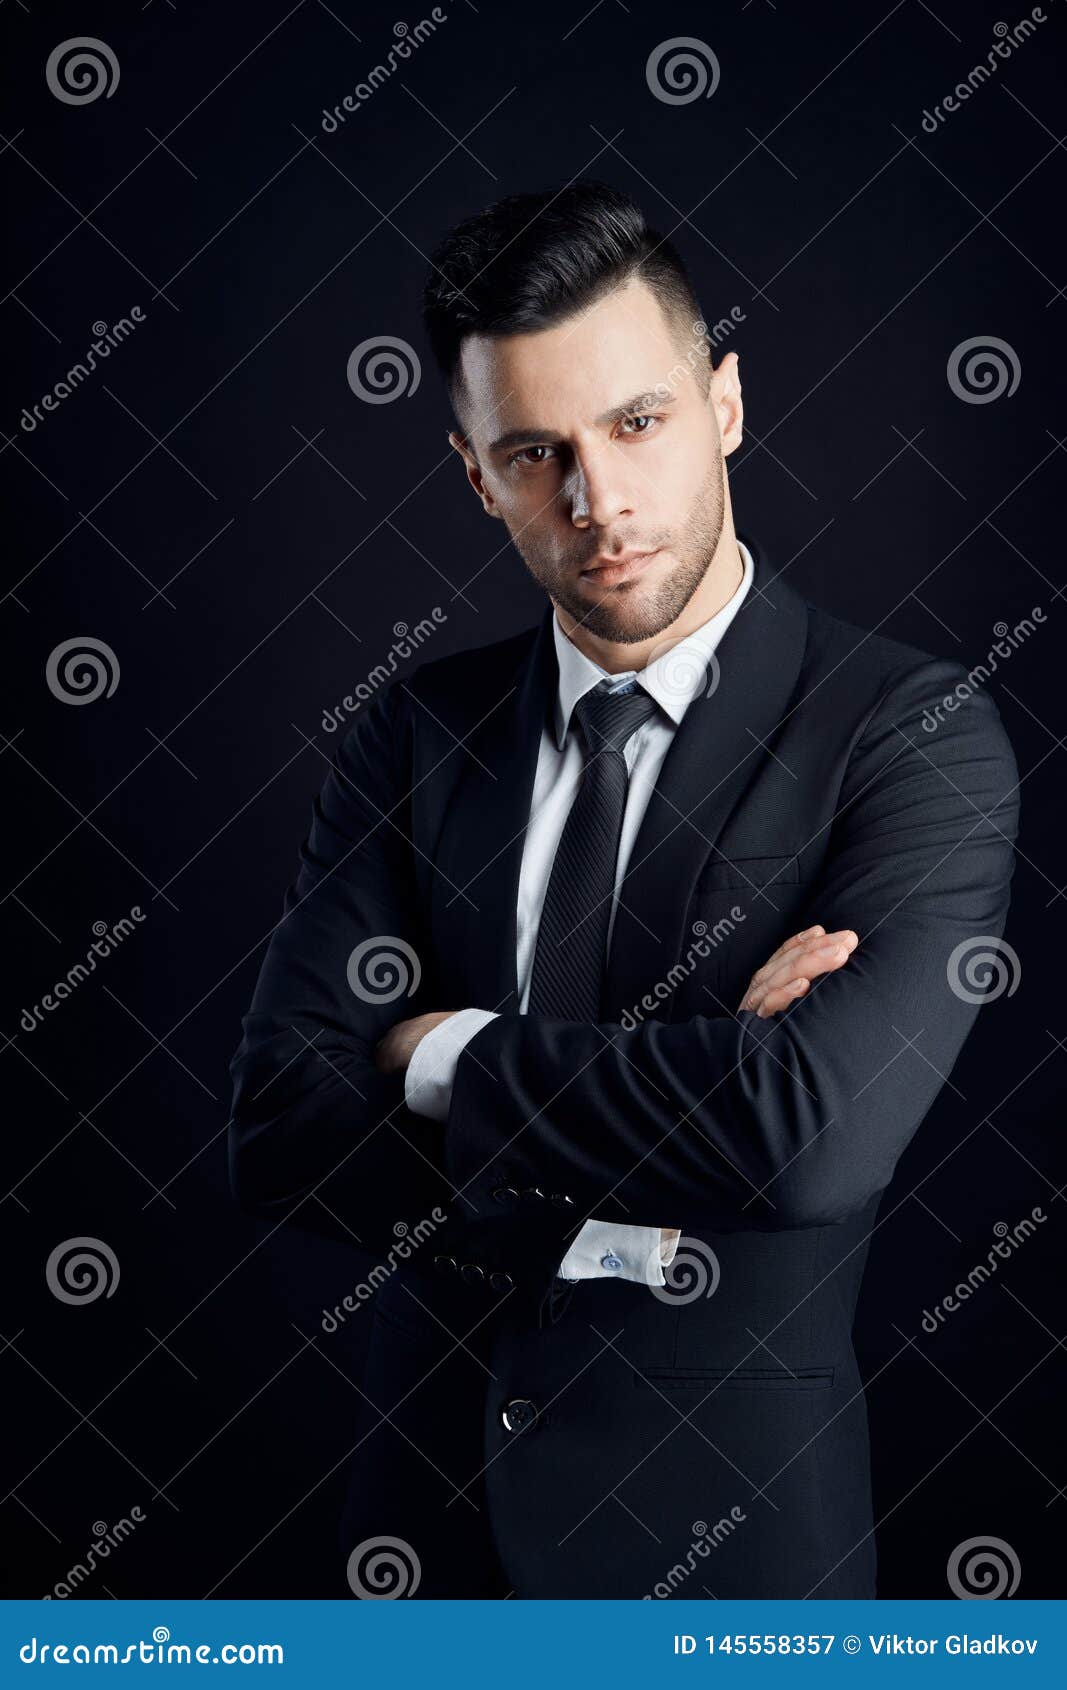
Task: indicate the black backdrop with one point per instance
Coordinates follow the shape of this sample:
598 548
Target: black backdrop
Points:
244 534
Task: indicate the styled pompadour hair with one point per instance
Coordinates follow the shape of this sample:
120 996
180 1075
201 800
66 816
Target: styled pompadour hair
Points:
531 260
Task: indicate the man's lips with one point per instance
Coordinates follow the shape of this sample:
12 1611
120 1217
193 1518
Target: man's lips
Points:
621 568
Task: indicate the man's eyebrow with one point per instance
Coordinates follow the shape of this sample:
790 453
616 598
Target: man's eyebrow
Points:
648 399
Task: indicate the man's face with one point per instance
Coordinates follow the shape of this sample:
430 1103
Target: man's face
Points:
595 438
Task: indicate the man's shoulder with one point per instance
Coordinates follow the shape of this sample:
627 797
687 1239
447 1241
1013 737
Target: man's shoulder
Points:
867 663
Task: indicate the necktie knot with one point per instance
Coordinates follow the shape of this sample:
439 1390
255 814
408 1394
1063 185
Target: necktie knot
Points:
607 718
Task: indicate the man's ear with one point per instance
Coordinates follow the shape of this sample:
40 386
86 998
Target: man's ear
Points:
474 472
724 395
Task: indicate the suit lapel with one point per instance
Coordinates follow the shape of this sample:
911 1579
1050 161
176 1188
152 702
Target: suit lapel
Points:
716 751
493 810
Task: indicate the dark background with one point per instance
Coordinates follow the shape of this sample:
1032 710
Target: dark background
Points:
245 533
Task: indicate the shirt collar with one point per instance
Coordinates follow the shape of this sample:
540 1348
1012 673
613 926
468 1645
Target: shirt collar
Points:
673 679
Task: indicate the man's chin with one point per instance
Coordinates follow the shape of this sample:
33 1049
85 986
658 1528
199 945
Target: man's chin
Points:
625 617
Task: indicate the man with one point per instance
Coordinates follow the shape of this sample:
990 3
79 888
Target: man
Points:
678 884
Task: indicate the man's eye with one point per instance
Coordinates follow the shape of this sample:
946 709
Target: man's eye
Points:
524 456
641 417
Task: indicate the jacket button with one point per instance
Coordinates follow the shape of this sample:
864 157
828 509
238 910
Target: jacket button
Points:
533 1194
505 1194
445 1264
472 1274
562 1200
518 1414
501 1282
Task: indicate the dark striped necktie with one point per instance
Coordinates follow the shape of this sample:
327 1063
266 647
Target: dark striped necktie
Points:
569 959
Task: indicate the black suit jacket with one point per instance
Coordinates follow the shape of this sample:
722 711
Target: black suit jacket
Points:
831 775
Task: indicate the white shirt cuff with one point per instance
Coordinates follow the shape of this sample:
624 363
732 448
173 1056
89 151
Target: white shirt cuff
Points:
432 1069
603 1250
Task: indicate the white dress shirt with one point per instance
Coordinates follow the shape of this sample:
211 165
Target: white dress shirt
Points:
602 1249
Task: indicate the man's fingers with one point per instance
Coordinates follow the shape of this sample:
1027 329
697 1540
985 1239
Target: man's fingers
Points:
794 953
778 997
774 985
808 933
820 959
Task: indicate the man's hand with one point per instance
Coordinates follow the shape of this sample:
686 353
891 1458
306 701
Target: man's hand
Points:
785 976
394 1052
792 967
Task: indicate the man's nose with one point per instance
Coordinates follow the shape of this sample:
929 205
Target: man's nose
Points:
600 488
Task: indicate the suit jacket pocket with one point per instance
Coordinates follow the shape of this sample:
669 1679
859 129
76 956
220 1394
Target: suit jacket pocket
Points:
734 1378
720 872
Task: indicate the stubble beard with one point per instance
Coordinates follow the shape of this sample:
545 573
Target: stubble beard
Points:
636 611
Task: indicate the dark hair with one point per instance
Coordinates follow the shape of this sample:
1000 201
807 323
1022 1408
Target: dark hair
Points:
531 260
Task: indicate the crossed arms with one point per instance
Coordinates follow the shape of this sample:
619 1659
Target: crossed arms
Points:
739 1122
